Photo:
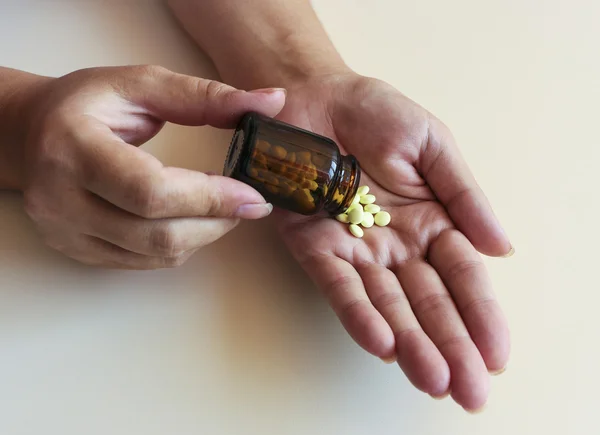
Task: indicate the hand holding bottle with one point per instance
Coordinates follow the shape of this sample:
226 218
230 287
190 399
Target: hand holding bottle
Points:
97 197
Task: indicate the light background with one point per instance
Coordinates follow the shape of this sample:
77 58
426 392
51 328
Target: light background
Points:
238 341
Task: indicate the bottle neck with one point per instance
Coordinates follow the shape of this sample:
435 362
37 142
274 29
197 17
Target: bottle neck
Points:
344 187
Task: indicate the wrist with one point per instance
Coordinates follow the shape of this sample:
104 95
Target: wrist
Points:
285 63
17 106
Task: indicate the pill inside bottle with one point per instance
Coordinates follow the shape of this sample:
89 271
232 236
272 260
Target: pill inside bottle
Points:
292 168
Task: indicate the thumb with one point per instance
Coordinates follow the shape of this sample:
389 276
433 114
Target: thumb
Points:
188 100
190 193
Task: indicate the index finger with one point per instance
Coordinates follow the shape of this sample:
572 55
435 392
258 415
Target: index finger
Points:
137 182
463 273
445 170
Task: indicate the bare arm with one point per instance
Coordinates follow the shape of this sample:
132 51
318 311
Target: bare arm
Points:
260 43
16 90
440 216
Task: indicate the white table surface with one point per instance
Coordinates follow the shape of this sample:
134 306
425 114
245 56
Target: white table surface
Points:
238 341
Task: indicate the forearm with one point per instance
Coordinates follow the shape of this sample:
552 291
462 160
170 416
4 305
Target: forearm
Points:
16 91
260 43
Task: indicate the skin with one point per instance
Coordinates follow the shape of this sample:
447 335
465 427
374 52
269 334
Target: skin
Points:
70 145
415 292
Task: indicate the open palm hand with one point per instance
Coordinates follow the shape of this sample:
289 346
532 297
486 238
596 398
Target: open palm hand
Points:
415 291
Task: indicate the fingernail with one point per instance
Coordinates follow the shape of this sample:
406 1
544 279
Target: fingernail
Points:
510 253
389 360
254 211
497 372
443 396
475 411
268 91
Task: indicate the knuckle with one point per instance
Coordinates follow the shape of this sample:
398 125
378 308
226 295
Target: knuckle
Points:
349 310
390 300
213 89
482 305
463 268
148 199
455 341
434 303
149 70
165 241
213 203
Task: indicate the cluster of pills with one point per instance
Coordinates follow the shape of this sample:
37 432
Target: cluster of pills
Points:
286 173
364 213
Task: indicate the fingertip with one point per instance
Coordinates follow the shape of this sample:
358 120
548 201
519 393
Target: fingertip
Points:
497 372
232 198
443 396
470 389
476 411
253 211
423 364
277 92
389 360
510 253
489 331
474 217
371 332
269 101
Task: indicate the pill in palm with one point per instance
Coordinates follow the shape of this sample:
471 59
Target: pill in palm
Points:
356 231
353 206
367 220
382 218
372 208
362 190
363 212
355 216
367 199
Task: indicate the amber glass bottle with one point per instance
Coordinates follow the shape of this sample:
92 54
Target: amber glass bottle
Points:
292 168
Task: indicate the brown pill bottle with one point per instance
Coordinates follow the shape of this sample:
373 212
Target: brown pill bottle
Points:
292 168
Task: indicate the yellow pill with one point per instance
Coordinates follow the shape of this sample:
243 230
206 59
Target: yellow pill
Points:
309 184
252 172
356 231
372 208
311 172
362 190
278 152
260 160
356 215
367 199
382 218
271 179
352 207
278 167
304 198
287 188
263 145
303 157
343 218
293 177
291 157
272 189
356 199
368 220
